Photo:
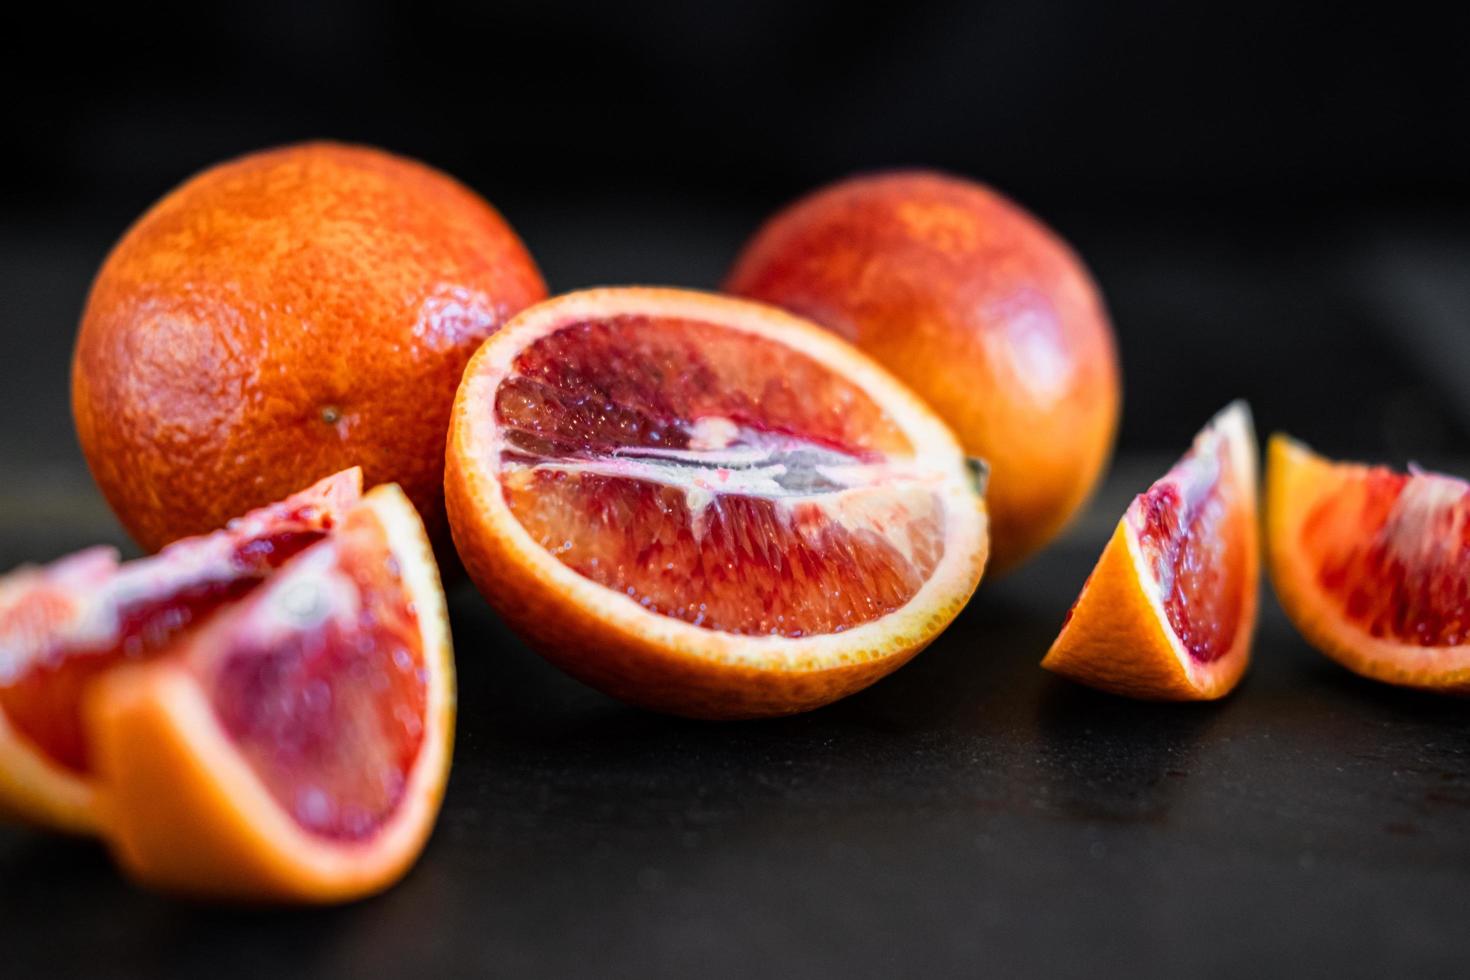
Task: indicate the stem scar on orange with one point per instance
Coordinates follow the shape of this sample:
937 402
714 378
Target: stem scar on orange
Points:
1370 564
704 505
1169 611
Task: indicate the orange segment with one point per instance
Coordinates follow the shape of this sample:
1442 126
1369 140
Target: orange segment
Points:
705 506
1370 565
1170 609
298 746
63 626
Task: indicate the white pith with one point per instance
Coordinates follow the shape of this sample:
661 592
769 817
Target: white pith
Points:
1415 535
876 497
316 592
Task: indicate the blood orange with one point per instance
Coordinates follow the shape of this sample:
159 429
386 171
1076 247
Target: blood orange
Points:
1170 609
704 505
281 316
297 746
64 625
1371 565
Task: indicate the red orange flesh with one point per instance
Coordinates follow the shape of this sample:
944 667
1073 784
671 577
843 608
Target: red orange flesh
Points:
329 714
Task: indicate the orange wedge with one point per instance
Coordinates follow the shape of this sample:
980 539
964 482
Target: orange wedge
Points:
296 747
1169 611
706 506
1370 564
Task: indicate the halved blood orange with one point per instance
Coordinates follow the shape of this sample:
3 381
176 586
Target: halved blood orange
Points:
1170 609
297 746
705 506
64 625
1372 565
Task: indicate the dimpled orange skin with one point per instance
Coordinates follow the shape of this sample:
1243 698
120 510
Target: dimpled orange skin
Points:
978 307
283 316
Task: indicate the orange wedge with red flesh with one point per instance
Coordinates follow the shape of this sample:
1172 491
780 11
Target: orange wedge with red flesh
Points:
1169 611
706 506
64 625
1371 565
296 747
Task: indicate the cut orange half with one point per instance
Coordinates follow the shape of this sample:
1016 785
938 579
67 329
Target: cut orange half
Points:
297 746
1170 609
64 625
1371 565
706 506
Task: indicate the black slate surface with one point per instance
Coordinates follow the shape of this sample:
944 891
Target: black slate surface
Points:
969 814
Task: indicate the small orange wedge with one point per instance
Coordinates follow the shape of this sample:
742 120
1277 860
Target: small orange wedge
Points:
296 748
1169 612
1371 565
706 506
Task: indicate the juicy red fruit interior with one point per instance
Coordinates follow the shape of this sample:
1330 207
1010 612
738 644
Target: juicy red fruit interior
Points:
1187 529
321 682
153 607
714 476
1395 550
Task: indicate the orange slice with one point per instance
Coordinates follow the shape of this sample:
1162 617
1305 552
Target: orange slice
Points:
1170 609
64 625
1371 565
296 747
706 506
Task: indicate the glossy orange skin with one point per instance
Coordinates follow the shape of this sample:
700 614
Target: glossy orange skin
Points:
283 316
978 307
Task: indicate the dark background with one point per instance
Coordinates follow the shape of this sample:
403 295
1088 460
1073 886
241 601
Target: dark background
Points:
1275 198
1273 195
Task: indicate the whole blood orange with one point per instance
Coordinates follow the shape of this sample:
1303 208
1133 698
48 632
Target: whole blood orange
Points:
1170 609
706 506
283 316
295 748
63 626
1372 565
976 305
